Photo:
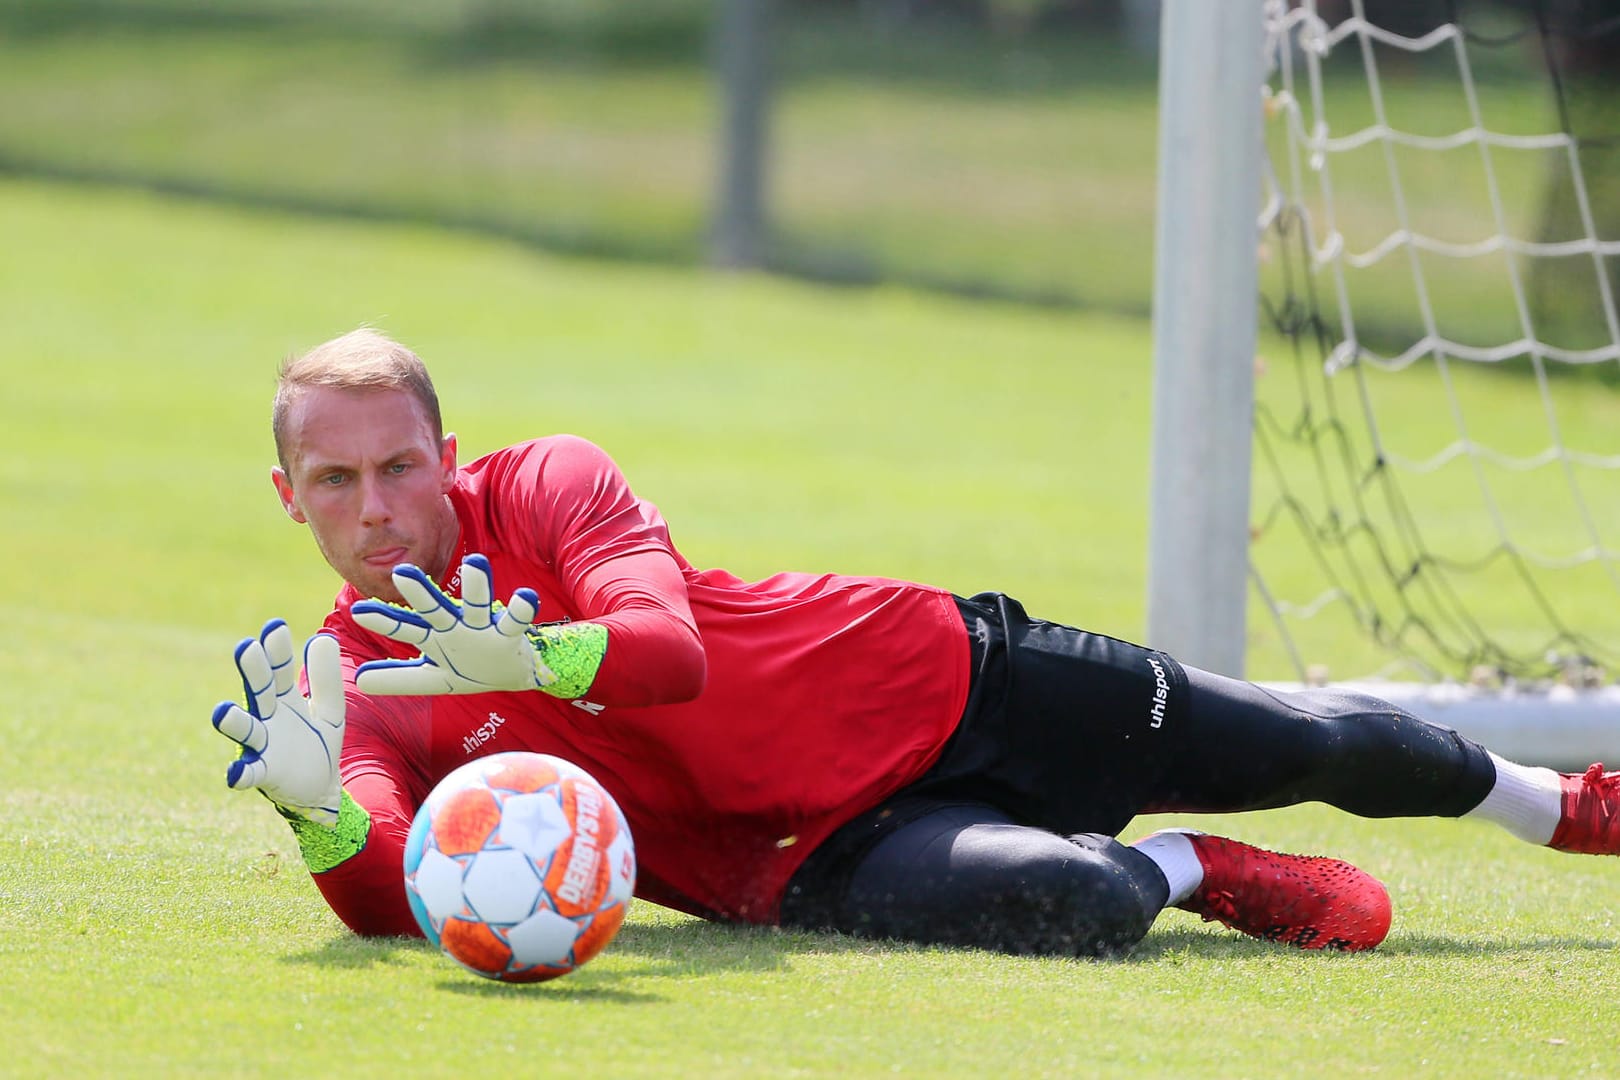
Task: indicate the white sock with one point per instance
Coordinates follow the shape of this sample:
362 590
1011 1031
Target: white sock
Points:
1173 853
1527 801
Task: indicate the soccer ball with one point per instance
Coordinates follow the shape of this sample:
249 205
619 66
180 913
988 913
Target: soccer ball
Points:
519 866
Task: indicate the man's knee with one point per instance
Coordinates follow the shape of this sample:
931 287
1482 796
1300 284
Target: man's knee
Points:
1115 891
1027 891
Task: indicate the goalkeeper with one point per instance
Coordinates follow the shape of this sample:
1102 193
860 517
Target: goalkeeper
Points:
873 756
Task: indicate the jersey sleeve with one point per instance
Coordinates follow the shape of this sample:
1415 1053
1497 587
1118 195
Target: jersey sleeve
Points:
367 890
563 502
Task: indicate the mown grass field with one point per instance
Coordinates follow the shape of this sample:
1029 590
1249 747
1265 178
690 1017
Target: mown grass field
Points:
159 925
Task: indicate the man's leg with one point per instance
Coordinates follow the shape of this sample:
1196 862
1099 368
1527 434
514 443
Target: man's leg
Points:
1079 732
964 874
1245 748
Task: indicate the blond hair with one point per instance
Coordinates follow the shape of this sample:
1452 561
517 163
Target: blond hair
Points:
362 359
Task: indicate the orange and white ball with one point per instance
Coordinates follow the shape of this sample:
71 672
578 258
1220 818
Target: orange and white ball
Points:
520 866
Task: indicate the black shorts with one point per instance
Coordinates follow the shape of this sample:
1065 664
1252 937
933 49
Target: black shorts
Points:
1064 729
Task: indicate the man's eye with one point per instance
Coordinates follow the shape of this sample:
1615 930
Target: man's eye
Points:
333 479
398 468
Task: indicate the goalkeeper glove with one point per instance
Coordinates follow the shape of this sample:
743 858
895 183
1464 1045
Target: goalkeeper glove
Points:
290 744
476 646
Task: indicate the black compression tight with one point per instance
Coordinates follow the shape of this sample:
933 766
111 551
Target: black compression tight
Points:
967 875
1248 748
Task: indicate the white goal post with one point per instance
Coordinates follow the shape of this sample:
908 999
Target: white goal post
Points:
1204 285
1218 190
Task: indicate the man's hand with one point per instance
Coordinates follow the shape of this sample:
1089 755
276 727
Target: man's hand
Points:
466 647
290 744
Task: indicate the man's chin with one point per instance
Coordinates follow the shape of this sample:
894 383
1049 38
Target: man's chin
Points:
377 586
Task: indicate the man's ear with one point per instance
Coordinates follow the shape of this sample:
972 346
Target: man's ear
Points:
284 489
447 463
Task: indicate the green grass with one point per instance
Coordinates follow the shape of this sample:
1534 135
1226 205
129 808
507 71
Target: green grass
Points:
159 925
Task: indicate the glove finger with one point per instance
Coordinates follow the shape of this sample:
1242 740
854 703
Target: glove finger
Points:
476 591
240 727
258 680
391 621
519 614
323 665
247 771
277 640
424 597
401 678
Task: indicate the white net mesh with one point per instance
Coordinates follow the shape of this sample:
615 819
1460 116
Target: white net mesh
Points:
1438 402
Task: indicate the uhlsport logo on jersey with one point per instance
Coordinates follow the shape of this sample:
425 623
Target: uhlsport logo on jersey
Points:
1161 693
482 733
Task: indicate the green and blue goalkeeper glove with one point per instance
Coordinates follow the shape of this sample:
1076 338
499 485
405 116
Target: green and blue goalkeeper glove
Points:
476 646
290 743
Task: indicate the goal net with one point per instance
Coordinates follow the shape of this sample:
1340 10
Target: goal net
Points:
1436 456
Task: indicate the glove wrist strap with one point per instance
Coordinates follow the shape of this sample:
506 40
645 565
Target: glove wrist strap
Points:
570 653
327 846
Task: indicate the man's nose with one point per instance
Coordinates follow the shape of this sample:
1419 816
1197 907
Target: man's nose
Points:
374 508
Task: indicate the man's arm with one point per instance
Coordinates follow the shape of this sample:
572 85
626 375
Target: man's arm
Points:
351 837
613 554
367 889
560 502
655 655
472 646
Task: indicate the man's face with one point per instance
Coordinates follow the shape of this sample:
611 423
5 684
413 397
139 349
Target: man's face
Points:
367 476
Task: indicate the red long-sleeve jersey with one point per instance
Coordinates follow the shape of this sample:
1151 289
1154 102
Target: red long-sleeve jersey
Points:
736 723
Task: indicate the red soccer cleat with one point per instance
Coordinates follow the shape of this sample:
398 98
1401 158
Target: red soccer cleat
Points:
1590 821
1303 900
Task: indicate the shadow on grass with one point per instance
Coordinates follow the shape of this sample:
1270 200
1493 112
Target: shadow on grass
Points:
697 948
348 951
683 950
586 985
1194 943
789 255
691 946
693 949
1429 945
